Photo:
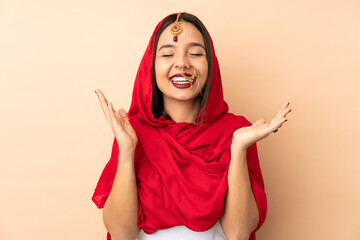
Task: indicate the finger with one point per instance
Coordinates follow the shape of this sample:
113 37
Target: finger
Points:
284 113
103 103
114 114
281 115
262 131
285 109
111 112
284 106
122 113
126 121
276 120
112 119
276 125
101 96
115 118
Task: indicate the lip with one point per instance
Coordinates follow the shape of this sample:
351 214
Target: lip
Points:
179 75
181 85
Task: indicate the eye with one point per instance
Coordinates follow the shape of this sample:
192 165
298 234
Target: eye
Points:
167 55
196 54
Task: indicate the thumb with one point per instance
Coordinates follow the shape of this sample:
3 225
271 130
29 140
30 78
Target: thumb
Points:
123 113
259 122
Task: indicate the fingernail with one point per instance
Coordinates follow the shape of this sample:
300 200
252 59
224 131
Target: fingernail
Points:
96 93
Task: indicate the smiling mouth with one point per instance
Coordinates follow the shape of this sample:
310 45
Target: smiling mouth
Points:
179 81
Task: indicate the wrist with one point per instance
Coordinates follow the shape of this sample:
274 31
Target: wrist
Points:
128 152
238 162
238 150
238 154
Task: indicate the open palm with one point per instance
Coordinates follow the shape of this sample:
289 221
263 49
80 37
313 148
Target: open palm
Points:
120 124
246 136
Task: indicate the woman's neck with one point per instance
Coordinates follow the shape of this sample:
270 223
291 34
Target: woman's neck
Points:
182 111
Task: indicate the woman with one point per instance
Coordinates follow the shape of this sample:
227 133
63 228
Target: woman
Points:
182 167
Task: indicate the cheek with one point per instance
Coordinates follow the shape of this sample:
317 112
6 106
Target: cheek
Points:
204 72
157 71
161 75
160 69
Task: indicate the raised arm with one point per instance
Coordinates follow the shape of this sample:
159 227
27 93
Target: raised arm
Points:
121 207
241 213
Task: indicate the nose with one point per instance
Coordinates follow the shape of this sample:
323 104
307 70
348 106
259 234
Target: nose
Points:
182 61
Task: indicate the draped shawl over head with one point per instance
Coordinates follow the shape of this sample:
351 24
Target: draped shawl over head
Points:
181 168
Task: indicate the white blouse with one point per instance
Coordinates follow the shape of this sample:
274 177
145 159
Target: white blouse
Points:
184 233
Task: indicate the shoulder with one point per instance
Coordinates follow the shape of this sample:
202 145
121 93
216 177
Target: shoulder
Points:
239 120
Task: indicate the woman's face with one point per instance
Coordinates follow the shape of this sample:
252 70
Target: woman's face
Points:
171 57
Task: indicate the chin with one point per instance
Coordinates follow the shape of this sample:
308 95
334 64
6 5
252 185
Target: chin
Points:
183 97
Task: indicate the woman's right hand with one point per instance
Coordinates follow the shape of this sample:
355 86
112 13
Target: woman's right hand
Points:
120 124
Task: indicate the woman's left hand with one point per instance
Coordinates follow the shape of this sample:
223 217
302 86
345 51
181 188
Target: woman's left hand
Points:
246 136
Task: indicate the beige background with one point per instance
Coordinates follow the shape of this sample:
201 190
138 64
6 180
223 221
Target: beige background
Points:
55 140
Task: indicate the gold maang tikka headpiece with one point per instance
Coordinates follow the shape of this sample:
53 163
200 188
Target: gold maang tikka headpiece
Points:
176 29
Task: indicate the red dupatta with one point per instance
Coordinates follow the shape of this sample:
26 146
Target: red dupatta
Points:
181 168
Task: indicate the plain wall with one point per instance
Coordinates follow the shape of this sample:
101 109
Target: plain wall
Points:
55 140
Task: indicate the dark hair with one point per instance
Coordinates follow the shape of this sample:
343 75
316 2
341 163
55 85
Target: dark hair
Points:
157 106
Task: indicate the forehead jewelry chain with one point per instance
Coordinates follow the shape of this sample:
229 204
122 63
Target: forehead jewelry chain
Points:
191 78
176 29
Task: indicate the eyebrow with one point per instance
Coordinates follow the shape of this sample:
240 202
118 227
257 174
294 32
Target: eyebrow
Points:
192 44
166 46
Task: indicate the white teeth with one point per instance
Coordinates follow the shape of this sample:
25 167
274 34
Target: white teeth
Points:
180 80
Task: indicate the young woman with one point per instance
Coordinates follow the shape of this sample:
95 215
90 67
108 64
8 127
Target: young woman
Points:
182 167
